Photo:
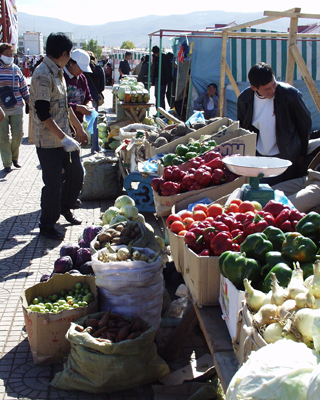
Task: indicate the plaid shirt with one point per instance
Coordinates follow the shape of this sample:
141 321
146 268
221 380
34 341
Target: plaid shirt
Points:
20 88
49 85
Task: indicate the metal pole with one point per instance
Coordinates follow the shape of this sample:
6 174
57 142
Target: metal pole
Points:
159 73
149 68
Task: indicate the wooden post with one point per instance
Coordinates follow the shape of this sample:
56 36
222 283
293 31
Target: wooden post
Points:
306 74
222 72
232 80
292 40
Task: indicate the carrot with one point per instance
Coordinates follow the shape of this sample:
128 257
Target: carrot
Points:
92 322
105 319
98 333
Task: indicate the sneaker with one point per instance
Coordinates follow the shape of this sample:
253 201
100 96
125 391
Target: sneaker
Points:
71 218
15 163
7 169
51 233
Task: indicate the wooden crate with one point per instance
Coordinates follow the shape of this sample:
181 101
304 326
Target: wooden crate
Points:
202 278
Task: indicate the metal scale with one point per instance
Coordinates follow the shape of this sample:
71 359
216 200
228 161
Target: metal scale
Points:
256 168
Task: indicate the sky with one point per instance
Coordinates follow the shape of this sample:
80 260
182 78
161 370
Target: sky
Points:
96 12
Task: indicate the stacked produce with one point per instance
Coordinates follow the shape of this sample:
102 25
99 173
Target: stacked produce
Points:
202 172
79 296
113 328
126 253
135 91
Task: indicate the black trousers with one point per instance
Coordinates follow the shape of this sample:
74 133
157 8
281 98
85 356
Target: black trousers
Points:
59 192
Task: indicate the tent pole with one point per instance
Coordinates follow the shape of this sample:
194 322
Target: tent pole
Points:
222 71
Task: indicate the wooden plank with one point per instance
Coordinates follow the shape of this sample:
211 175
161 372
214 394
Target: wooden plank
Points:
226 366
306 75
253 35
232 80
222 72
183 330
291 14
291 41
160 122
169 116
249 24
214 329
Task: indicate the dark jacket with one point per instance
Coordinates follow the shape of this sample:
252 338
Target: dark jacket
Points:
96 80
166 72
293 122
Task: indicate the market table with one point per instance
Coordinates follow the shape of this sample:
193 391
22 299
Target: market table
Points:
217 337
130 110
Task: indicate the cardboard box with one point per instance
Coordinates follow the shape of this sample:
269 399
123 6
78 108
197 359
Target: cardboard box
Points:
230 299
164 204
248 338
46 332
202 278
206 130
177 242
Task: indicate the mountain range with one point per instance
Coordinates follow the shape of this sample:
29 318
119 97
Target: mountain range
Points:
138 29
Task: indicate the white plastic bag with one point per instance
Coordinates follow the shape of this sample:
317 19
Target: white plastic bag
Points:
130 131
131 288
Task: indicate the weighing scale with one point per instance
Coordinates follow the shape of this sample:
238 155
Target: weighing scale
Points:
256 168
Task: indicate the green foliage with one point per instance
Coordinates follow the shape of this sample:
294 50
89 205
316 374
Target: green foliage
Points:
93 46
127 44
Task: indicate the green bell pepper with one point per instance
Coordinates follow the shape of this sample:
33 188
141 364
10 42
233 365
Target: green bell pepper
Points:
297 247
256 246
309 225
191 154
204 148
276 237
192 148
167 159
283 274
178 160
212 143
236 267
273 258
181 150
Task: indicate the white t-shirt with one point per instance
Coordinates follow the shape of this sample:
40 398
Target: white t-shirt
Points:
210 104
264 119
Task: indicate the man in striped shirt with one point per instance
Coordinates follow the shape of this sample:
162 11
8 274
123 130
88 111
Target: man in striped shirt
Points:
11 76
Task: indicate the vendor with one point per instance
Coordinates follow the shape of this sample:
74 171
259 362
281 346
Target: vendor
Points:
208 102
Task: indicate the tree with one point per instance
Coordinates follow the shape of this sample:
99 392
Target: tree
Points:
127 44
93 46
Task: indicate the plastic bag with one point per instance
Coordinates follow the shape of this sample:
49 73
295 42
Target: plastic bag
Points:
278 371
91 119
197 116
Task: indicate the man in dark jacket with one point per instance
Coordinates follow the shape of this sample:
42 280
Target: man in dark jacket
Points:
278 114
166 75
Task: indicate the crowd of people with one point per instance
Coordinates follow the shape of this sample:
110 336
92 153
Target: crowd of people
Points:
67 85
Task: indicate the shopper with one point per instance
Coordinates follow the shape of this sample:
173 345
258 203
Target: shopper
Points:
96 82
165 75
12 80
208 102
56 149
279 116
124 67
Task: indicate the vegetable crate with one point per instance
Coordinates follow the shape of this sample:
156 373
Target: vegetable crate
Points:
46 331
247 339
202 278
230 299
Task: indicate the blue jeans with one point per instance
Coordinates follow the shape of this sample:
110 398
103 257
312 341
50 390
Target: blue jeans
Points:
94 137
58 194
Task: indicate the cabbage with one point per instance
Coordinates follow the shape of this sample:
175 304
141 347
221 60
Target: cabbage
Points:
69 249
131 212
117 219
102 127
124 200
110 213
83 255
63 264
86 268
278 371
141 219
122 90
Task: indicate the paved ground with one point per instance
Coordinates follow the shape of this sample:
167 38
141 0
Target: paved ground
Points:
24 257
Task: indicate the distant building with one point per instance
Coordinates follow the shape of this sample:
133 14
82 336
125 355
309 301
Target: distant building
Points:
32 43
77 43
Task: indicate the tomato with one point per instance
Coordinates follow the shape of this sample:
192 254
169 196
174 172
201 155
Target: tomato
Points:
246 206
177 226
210 219
199 215
182 233
185 214
215 210
233 208
187 222
172 218
236 201
201 207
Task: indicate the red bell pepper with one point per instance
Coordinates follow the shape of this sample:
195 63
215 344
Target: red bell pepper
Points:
170 189
196 162
238 236
226 219
222 242
215 163
274 207
218 177
259 223
210 155
187 182
202 176
283 216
